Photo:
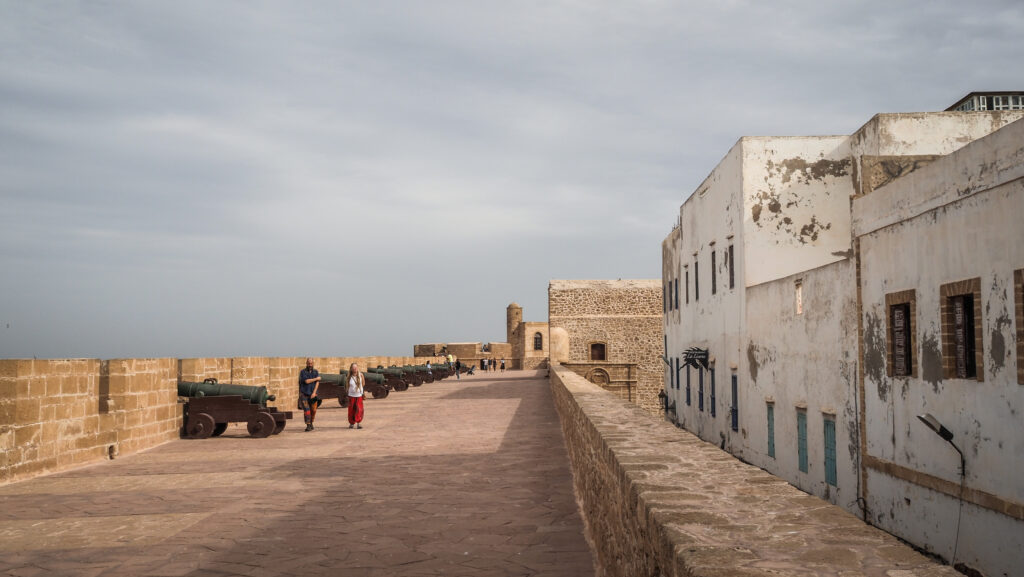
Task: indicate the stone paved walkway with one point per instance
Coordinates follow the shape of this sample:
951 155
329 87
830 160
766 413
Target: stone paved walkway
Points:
452 478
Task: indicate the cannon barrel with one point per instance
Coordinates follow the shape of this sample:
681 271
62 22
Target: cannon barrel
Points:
342 378
255 395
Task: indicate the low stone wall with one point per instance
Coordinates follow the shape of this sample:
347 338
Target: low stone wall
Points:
60 413
658 501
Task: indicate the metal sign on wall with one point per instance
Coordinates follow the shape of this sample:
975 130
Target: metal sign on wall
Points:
696 357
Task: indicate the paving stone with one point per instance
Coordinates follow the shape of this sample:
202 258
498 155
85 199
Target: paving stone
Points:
453 478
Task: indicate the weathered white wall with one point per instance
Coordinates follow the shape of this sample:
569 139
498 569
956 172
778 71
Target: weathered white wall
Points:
800 191
710 220
796 213
917 133
956 219
806 360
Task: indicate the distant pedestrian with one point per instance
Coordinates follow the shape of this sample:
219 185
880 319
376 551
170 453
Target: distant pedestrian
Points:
503 365
356 382
458 369
309 382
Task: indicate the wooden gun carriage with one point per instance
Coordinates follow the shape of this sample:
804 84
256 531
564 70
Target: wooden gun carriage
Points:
211 406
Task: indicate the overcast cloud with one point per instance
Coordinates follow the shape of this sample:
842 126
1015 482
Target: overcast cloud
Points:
336 178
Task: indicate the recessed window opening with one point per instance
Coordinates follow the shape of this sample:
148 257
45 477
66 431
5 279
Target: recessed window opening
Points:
538 342
597 352
962 340
687 286
696 280
714 273
801 439
830 450
732 268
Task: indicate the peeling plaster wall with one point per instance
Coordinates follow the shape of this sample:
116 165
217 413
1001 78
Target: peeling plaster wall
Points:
796 213
958 218
708 219
806 360
922 134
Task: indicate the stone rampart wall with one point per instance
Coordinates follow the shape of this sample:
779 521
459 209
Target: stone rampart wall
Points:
625 316
658 501
60 413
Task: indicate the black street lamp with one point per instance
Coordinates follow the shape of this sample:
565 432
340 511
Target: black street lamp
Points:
947 435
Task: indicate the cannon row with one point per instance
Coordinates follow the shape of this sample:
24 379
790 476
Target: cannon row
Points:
212 405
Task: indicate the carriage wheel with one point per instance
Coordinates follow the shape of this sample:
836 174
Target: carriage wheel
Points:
343 400
219 429
380 393
200 426
402 386
262 425
279 426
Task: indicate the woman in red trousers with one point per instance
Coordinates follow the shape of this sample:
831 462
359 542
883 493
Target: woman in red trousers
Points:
356 381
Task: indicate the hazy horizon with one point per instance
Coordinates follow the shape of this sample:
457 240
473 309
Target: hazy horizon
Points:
196 179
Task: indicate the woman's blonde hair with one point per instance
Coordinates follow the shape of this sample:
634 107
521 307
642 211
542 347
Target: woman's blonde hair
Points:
354 369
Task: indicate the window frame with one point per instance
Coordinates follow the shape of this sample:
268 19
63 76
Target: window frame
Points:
714 273
831 473
947 293
732 268
906 298
590 349
1018 289
801 440
538 336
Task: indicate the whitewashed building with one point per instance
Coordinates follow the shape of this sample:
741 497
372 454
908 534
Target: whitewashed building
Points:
942 266
760 279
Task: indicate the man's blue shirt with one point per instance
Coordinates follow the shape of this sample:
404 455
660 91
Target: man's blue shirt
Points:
304 387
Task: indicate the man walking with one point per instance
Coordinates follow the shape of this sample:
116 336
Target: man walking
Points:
309 382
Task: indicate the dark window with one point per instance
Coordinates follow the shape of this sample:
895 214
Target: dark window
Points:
538 342
696 280
700 390
899 317
677 373
688 385
597 351
801 440
771 430
714 274
830 450
732 269
734 410
664 299
712 392
963 335
677 294
1018 283
962 340
687 287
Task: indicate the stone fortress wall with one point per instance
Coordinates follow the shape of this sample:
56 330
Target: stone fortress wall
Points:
657 500
626 317
56 414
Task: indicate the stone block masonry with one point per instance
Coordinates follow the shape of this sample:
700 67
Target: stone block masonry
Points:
57 414
658 501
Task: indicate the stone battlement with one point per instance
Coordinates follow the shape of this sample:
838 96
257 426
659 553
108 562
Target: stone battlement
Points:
657 500
56 414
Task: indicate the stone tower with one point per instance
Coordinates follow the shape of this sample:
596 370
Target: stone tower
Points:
514 316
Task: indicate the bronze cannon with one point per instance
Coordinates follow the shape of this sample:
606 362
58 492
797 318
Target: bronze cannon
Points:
211 406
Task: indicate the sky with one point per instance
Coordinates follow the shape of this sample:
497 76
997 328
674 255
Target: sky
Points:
205 179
